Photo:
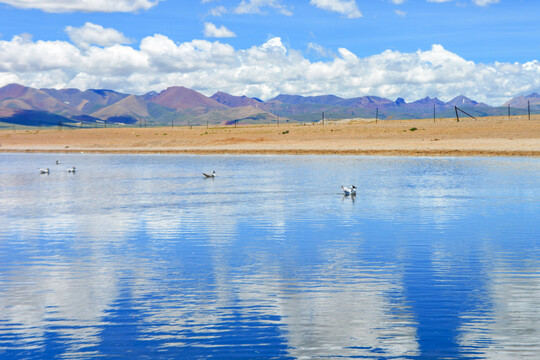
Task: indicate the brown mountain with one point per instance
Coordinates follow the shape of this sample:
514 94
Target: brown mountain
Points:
235 101
87 101
182 98
20 97
524 100
131 106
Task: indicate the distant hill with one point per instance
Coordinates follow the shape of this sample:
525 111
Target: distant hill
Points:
20 97
181 98
86 101
524 100
131 106
179 105
234 101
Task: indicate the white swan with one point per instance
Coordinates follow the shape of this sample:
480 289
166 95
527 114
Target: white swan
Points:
213 174
44 171
71 170
347 191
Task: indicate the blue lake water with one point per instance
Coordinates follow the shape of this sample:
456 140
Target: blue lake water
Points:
139 257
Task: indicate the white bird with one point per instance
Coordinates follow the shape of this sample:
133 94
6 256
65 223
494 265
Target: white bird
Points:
44 171
213 174
58 162
71 170
347 191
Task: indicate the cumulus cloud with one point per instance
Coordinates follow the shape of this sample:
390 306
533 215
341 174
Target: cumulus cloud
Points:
60 6
255 7
262 71
347 8
211 30
92 34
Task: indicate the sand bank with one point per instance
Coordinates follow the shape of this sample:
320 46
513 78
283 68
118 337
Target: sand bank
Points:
484 137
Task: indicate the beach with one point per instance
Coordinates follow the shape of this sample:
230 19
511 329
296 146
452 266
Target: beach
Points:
490 136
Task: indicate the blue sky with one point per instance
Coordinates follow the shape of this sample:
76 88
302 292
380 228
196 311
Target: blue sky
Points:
484 49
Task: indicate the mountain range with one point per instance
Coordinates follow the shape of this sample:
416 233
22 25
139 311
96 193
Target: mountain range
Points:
179 105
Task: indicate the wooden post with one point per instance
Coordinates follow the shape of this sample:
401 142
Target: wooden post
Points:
508 111
529 109
323 118
433 113
457 115
376 115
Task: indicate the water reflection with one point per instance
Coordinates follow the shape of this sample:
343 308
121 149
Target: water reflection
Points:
139 256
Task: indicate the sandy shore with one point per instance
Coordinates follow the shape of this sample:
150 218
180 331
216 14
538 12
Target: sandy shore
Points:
484 137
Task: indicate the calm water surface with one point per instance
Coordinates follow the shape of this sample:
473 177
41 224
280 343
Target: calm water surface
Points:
139 257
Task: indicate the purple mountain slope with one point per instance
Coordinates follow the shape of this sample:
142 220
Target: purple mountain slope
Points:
297 99
524 101
234 101
87 101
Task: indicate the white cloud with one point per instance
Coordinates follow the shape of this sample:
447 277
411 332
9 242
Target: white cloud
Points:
263 71
485 2
60 6
476 2
398 2
344 7
254 7
92 34
218 11
320 50
400 13
211 30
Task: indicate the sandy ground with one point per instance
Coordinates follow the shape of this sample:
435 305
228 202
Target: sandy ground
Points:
484 137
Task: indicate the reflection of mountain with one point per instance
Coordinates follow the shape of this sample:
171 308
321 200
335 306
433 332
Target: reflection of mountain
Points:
180 105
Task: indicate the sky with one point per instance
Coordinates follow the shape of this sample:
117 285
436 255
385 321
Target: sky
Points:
487 50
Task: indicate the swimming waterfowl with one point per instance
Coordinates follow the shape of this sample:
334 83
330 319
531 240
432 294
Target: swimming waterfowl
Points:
58 162
347 191
71 169
44 171
213 174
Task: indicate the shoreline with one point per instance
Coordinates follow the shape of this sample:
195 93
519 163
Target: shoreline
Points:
426 153
493 136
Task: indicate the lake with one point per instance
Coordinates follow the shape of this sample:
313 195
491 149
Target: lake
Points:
140 257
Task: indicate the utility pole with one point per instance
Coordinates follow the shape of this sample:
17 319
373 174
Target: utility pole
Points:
433 113
376 115
508 111
323 118
529 109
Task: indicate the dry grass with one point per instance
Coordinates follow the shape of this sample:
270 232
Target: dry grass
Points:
487 136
